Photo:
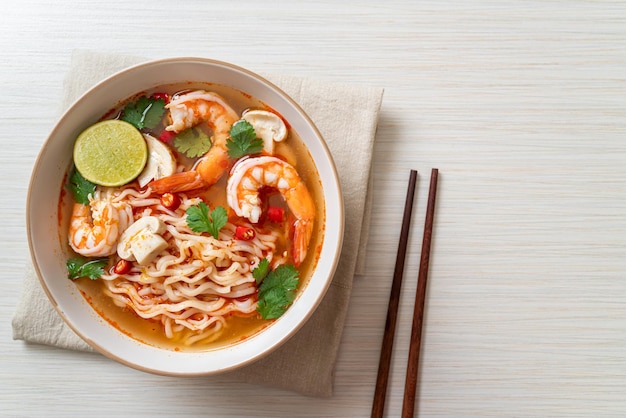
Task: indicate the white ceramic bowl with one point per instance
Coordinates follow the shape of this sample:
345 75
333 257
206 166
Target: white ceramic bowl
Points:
49 254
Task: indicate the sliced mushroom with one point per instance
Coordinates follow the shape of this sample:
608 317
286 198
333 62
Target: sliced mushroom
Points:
268 126
161 161
142 240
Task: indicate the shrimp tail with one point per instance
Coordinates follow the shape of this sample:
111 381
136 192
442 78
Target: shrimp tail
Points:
302 231
178 182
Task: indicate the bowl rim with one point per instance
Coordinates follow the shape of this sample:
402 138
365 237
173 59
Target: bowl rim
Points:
339 216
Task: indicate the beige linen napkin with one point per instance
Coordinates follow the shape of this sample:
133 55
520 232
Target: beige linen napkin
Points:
346 116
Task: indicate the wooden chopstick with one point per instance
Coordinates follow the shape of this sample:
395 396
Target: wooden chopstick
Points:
410 385
380 393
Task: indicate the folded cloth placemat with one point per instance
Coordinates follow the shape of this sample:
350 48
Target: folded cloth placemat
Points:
346 116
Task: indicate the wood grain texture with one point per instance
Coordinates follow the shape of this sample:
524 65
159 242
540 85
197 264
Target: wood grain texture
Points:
521 106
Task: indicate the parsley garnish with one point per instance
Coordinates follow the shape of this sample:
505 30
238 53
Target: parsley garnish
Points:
81 187
201 219
192 142
145 113
277 290
81 267
243 140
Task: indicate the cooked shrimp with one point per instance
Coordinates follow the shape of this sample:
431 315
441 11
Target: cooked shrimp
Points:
189 110
95 228
249 175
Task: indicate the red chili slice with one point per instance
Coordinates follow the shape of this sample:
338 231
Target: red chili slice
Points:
122 267
161 95
166 136
275 214
170 201
244 233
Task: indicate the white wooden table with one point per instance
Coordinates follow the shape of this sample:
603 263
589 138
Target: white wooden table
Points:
521 106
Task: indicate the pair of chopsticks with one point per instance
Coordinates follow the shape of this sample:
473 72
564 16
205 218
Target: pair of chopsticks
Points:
410 385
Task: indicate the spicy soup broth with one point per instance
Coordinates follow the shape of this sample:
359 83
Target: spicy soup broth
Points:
237 328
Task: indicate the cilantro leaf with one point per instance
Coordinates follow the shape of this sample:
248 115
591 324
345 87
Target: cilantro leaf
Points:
192 142
81 187
201 219
153 113
145 113
81 267
277 291
243 140
272 306
261 270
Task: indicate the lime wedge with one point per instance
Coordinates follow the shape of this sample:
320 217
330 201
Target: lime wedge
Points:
110 153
